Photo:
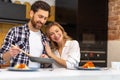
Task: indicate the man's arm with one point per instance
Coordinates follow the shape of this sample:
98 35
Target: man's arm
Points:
7 56
12 52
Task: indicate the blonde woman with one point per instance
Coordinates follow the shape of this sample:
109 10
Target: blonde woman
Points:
64 50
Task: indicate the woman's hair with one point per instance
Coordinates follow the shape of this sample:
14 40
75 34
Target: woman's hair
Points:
65 36
40 5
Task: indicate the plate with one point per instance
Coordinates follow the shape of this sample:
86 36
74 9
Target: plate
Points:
41 60
14 69
80 68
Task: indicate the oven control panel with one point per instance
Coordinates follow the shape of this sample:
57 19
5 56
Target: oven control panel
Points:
97 53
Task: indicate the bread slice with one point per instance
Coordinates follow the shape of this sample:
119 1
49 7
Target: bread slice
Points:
88 64
21 66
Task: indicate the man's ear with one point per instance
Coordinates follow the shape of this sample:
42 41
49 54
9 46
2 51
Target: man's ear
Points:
31 14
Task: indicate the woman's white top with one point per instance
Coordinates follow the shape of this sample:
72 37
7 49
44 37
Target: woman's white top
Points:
70 53
36 47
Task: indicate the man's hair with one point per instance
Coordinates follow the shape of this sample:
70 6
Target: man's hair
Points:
40 5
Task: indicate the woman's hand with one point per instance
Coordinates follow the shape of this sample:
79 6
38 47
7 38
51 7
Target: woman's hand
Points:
44 56
48 49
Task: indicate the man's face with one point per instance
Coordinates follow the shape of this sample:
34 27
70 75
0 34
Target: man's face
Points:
39 18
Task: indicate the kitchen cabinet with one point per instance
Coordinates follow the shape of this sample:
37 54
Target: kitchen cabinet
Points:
12 13
86 21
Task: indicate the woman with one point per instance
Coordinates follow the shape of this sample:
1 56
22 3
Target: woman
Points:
64 50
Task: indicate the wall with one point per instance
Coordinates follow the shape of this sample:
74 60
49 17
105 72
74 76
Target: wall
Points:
114 31
50 2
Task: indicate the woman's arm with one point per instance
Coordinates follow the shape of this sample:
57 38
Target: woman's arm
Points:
73 57
52 55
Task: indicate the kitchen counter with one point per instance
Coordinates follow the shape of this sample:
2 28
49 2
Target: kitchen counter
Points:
60 74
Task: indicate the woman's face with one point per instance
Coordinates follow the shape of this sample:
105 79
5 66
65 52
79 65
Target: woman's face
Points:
55 34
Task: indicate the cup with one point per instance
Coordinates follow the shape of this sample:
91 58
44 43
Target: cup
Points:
115 65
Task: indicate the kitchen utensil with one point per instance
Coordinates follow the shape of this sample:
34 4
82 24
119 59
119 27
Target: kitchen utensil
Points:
41 60
37 59
22 51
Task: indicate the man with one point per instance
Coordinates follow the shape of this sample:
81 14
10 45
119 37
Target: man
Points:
27 37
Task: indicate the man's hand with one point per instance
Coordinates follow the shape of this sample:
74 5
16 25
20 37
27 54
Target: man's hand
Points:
14 50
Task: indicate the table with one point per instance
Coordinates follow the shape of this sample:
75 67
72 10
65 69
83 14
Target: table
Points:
61 74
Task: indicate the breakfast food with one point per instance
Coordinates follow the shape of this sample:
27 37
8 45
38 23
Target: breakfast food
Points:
21 66
88 64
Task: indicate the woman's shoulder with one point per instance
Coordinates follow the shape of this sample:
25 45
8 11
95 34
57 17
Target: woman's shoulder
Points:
73 42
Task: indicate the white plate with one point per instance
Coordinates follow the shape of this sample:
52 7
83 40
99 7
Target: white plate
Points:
14 69
80 68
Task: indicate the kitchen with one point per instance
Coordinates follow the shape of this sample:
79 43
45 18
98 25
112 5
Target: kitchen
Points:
113 32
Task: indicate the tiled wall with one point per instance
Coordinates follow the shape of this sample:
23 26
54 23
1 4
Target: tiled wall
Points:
114 31
114 20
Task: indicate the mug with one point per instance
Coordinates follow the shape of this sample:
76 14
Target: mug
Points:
115 65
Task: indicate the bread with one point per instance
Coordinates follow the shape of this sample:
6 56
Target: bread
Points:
21 66
88 64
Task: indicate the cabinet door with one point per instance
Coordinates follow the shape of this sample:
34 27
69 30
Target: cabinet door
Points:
66 11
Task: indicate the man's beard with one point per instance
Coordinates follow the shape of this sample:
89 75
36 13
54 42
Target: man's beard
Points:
34 24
